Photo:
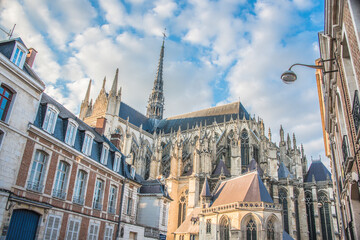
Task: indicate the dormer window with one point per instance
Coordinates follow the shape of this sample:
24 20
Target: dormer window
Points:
50 118
104 154
19 55
88 142
71 132
132 171
116 166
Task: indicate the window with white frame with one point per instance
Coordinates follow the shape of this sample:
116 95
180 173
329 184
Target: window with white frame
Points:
37 173
93 231
71 132
19 55
112 199
6 98
98 194
104 154
61 177
163 222
50 118
80 184
109 230
88 142
73 229
117 159
2 134
52 227
129 203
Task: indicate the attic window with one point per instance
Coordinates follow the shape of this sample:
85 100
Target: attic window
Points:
88 142
19 55
71 132
116 166
132 171
104 154
50 118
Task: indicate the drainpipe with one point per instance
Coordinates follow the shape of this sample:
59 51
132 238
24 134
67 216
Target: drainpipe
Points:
121 203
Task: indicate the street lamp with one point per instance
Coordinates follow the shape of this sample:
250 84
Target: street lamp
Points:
290 77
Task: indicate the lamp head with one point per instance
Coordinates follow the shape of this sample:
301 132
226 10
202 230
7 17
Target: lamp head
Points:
288 77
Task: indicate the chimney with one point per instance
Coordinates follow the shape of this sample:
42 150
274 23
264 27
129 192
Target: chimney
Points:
30 57
116 140
100 125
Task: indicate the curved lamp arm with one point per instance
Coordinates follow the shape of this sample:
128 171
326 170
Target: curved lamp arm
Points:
306 65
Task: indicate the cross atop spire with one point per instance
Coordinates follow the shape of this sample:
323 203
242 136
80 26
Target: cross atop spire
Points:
155 106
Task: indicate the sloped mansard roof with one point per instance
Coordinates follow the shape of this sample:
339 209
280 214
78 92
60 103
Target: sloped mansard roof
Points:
318 171
245 188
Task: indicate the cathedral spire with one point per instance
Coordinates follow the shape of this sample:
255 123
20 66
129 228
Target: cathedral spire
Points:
85 103
155 106
115 83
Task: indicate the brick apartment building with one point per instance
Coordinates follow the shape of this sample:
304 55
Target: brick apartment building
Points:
65 179
338 86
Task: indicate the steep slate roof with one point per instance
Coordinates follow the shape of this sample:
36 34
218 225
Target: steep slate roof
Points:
283 172
319 171
221 168
7 48
60 132
205 117
245 188
254 166
187 226
154 187
227 109
205 192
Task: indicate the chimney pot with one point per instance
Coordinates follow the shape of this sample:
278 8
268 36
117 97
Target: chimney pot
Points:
100 125
30 57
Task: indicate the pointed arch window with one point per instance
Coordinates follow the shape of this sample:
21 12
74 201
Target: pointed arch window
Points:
270 230
244 150
324 211
224 228
283 201
310 215
182 207
251 230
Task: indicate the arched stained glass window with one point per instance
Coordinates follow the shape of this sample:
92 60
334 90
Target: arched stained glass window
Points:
224 228
310 215
251 230
182 207
324 211
244 150
283 201
270 230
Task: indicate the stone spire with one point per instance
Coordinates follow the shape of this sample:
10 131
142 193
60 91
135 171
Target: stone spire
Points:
269 134
294 141
288 142
114 97
155 106
85 103
281 134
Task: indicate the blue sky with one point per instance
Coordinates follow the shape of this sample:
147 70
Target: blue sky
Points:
216 52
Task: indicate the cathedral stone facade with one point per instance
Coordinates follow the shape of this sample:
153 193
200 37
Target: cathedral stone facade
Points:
206 148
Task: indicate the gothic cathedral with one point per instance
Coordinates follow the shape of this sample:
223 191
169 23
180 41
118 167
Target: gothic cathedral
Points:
227 179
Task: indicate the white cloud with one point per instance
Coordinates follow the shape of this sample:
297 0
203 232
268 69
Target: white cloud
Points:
247 45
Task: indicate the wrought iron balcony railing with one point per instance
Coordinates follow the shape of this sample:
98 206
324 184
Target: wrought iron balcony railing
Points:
35 186
97 206
58 193
78 200
111 210
356 111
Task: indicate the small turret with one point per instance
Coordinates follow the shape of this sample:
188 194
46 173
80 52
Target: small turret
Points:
205 194
281 134
269 134
294 141
288 142
114 98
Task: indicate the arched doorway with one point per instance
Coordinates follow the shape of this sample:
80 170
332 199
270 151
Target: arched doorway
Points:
23 225
224 228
